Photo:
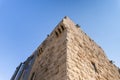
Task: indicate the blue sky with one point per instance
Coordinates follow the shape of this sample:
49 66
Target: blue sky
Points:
24 24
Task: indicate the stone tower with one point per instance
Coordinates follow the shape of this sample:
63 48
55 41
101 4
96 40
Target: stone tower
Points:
67 54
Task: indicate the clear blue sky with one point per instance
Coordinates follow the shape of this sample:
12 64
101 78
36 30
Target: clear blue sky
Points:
24 24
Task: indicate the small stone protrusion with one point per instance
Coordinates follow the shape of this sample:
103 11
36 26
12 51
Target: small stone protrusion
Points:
77 25
111 61
65 17
48 35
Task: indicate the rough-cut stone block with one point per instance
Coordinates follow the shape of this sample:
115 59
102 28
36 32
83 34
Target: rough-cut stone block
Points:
69 54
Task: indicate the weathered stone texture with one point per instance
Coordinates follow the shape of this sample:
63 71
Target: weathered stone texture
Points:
51 61
69 54
85 59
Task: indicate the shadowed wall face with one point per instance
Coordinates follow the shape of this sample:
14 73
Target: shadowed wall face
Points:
69 54
51 61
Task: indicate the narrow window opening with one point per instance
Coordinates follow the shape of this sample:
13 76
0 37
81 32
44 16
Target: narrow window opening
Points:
62 27
56 33
31 57
32 77
59 30
119 70
40 51
95 68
